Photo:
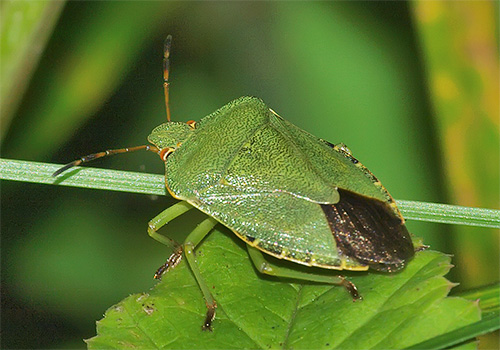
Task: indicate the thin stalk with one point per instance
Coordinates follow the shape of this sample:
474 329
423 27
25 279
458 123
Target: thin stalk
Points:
126 181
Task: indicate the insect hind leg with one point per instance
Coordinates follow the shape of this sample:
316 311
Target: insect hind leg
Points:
264 266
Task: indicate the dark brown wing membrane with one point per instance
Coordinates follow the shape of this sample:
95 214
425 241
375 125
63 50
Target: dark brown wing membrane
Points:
367 230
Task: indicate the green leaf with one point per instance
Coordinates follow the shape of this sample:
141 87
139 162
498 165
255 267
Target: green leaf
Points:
488 296
397 310
489 323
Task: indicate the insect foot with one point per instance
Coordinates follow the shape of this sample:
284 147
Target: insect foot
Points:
172 262
351 288
207 325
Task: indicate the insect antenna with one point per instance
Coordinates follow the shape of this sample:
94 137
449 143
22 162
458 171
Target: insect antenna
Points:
110 152
166 68
107 153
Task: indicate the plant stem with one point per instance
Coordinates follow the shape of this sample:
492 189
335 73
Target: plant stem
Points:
127 181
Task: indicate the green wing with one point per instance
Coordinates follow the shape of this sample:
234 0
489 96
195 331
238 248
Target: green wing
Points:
279 224
240 146
340 169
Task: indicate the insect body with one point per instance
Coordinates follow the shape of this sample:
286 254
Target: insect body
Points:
283 191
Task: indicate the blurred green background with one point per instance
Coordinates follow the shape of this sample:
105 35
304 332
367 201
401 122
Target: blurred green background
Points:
411 88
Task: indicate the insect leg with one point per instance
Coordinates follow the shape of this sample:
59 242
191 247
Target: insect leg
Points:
158 222
264 266
194 238
171 262
164 218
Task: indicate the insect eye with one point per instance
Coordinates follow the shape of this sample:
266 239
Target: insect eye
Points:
164 153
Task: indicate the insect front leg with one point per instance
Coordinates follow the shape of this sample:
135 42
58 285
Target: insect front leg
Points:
158 222
194 238
266 267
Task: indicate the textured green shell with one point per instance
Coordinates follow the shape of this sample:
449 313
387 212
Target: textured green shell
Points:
282 190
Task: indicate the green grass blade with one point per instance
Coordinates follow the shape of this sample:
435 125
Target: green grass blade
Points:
103 179
449 214
126 181
25 28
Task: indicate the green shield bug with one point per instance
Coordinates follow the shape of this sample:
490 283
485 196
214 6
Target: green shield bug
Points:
283 191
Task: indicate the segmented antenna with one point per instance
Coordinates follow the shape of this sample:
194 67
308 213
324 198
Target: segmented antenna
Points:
107 153
90 157
166 68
